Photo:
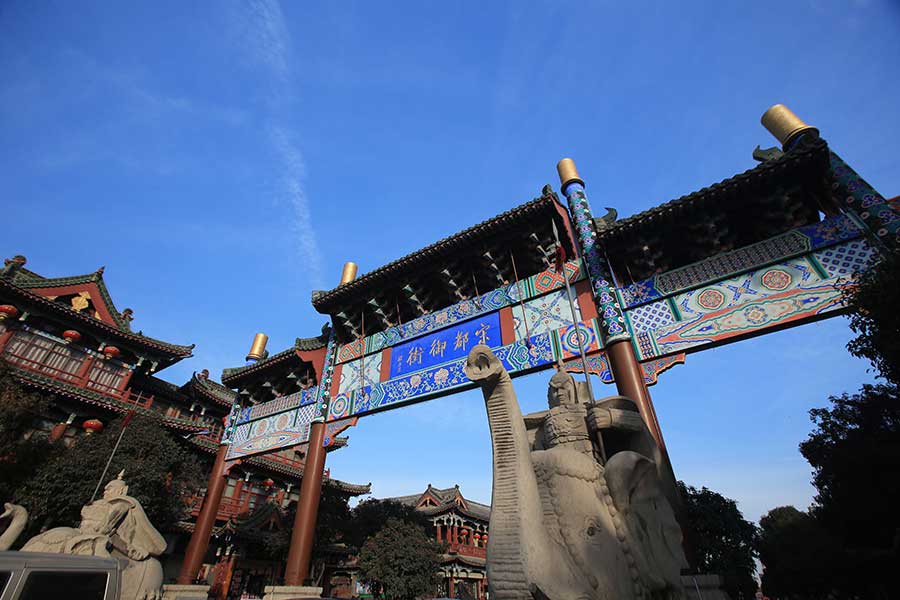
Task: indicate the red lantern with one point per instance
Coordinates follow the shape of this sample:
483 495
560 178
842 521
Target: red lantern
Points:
268 483
8 311
111 352
71 335
92 426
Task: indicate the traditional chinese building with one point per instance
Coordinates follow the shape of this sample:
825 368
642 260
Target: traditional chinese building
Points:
462 525
64 337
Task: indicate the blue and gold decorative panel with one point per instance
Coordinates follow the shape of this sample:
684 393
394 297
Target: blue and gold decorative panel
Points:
540 350
301 398
754 315
541 283
846 259
545 313
288 428
611 315
441 379
566 342
445 344
753 285
650 316
351 373
828 232
853 193
340 405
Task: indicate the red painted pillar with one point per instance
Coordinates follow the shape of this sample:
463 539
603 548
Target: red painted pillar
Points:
450 589
455 534
437 526
196 550
300 554
629 378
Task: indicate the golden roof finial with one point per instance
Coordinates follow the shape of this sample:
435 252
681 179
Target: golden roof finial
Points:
784 124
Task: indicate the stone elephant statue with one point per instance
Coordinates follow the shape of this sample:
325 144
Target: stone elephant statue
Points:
565 524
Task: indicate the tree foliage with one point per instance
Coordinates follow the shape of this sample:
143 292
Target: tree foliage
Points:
158 471
855 454
800 560
400 561
19 457
873 300
723 541
334 517
370 516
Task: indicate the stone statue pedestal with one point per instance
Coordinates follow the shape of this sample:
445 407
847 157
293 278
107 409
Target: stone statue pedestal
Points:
177 591
710 587
291 592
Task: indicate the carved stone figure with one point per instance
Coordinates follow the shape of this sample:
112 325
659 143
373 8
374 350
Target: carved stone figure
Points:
564 524
18 517
113 526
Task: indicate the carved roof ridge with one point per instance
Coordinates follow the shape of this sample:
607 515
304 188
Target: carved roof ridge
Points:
322 300
25 291
301 344
808 153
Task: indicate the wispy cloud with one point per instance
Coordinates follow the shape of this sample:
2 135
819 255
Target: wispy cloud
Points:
262 32
129 99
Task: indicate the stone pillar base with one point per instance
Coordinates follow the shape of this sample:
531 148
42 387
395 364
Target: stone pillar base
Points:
291 592
177 591
710 587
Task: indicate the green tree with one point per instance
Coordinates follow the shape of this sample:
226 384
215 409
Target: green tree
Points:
400 562
800 559
20 411
873 300
159 470
722 540
371 515
256 538
855 454
333 518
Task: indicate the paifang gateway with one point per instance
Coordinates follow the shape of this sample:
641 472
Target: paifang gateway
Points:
766 249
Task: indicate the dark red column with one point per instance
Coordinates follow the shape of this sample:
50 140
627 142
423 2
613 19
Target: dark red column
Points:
300 554
629 378
196 550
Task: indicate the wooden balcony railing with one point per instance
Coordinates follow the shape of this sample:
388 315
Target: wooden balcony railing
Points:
467 550
228 507
83 381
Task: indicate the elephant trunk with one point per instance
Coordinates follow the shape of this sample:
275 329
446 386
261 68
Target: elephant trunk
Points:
18 519
515 546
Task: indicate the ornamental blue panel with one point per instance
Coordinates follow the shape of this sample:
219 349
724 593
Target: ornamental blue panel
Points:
445 345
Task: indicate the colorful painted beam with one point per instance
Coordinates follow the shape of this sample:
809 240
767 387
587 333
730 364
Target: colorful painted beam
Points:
542 349
507 295
789 293
829 232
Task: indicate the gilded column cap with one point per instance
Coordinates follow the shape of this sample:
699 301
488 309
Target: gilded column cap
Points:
349 272
258 348
785 125
567 173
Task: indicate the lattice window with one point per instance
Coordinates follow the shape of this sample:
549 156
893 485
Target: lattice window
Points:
106 377
37 353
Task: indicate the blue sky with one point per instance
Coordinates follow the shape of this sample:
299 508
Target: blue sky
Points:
224 159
